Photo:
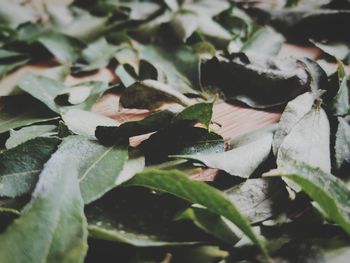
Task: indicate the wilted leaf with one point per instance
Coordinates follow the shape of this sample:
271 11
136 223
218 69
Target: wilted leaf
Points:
20 166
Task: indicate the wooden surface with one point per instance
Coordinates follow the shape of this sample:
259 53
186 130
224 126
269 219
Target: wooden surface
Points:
229 120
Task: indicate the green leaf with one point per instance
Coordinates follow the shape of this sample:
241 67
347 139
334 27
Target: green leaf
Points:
20 111
64 48
140 218
54 218
177 66
84 122
53 93
210 223
42 88
254 148
18 137
20 166
259 199
98 166
97 55
329 192
151 94
342 144
180 185
200 112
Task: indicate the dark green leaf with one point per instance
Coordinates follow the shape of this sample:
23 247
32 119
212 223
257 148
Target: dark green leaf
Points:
151 94
329 192
211 223
20 166
180 185
110 135
20 111
257 80
138 217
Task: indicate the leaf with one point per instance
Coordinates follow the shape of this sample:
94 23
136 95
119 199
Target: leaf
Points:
295 110
264 40
342 144
98 166
27 133
210 223
112 135
77 23
179 65
338 50
180 139
20 111
200 112
20 166
329 192
54 218
140 218
14 14
256 149
341 101
82 96
42 88
151 94
308 141
64 48
53 93
302 24
178 184
259 199
84 122
259 81
97 55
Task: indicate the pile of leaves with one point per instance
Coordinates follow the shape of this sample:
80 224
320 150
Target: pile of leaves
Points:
72 189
